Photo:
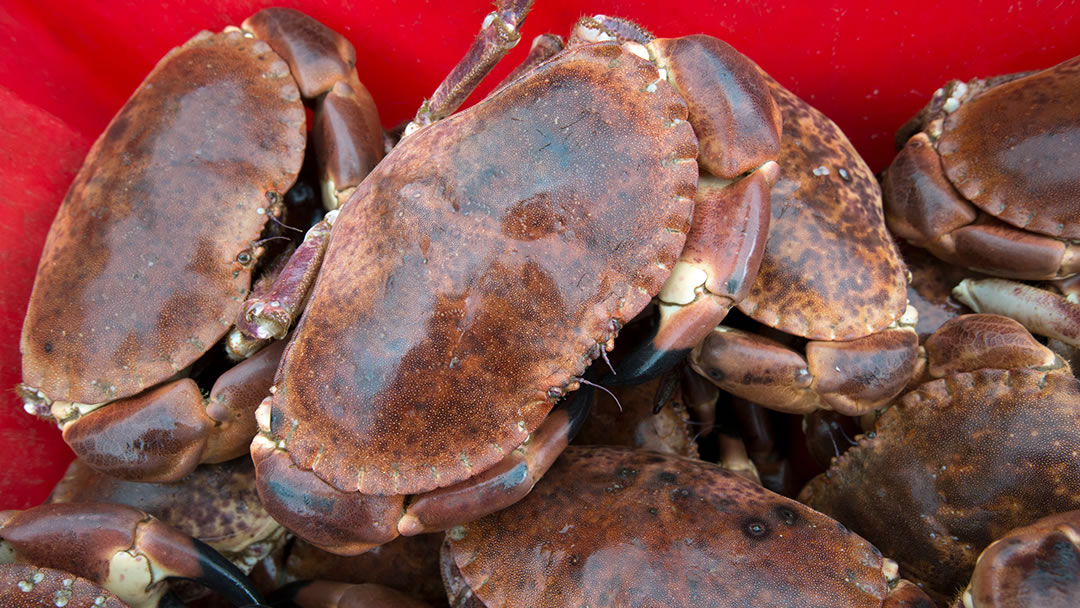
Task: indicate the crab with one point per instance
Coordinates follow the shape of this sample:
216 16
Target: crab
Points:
502 249
216 503
620 527
831 275
988 176
85 547
1034 565
151 254
987 443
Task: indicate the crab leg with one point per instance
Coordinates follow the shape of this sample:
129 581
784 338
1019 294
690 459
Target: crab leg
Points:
1040 311
121 548
497 36
924 208
503 484
305 504
850 377
270 315
543 48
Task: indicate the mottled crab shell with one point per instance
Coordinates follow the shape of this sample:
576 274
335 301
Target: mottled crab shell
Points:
956 464
830 270
474 273
26 586
1036 565
143 269
620 527
216 503
1014 151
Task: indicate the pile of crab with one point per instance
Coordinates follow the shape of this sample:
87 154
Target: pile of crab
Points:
366 374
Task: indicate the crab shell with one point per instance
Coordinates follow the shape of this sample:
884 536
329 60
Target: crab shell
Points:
1035 565
477 271
956 464
990 181
26 586
620 527
830 273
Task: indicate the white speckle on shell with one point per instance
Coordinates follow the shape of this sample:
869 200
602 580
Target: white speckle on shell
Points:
278 69
289 92
819 171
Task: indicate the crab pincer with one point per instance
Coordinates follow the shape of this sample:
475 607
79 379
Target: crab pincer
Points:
119 548
738 125
152 252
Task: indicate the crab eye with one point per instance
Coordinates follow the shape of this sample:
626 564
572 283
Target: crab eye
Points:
243 258
755 528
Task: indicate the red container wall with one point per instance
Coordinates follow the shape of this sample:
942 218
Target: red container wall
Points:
68 67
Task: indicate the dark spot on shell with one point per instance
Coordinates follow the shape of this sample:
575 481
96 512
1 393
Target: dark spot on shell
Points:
755 528
653 511
678 493
48 347
668 477
626 473
787 515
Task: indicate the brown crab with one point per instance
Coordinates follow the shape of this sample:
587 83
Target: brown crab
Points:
502 250
619 527
1034 565
116 547
831 277
989 177
989 445
152 251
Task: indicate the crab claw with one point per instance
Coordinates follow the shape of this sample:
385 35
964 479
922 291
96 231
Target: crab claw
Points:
164 433
715 271
350 523
504 484
120 548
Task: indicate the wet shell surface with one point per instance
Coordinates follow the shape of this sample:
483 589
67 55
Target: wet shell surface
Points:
472 276
956 464
144 268
1014 151
621 527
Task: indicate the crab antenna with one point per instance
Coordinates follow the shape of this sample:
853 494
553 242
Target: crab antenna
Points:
588 383
498 34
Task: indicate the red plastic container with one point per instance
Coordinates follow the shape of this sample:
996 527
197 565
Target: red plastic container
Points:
68 67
